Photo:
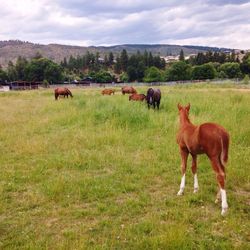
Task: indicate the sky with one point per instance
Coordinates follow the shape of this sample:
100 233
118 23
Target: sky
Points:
222 23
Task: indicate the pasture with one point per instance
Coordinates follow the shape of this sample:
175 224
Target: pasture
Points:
100 172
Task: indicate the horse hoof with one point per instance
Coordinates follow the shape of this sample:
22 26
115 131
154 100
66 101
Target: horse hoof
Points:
224 211
196 190
180 193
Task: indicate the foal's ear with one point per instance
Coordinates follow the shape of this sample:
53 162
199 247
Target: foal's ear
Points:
179 106
188 107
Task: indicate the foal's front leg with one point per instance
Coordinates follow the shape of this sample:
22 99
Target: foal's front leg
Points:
184 156
158 104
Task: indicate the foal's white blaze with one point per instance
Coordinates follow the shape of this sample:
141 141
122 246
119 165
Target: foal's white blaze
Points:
224 204
182 186
196 185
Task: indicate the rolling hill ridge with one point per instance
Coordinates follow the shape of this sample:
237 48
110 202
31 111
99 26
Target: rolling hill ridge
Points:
10 50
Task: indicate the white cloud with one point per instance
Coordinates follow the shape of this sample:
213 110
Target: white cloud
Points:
97 22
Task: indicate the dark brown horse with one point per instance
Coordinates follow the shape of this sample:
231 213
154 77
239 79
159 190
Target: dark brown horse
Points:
128 90
108 92
137 97
208 138
153 97
62 91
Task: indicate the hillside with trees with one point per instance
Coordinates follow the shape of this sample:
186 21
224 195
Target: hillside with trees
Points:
11 50
122 67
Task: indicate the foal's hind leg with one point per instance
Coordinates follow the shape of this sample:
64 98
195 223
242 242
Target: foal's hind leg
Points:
194 171
220 175
184 156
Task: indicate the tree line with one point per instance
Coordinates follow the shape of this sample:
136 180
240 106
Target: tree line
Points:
37 69
128 68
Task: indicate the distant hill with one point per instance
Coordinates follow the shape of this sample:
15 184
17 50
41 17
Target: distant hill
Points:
10 50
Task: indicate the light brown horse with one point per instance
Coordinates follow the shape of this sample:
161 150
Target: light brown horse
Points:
208 138
62 91
137 97
108 92
128 90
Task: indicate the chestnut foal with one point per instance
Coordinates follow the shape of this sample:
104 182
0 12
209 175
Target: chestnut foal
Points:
208 138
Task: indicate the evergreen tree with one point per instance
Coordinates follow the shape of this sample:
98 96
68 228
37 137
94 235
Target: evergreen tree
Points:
11 71
118 66
21 64
124 60
200 59
3 76
132 74
145 58
111 58
245 65
150 60
106 61
181 57
64 63
233 57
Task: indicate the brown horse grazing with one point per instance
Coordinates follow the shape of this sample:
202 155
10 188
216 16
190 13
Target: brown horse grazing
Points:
137 97
108 92
62 91
208 138
128 90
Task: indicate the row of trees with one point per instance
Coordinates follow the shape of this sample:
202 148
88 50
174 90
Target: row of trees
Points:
37 69
128 68
214 65
219 57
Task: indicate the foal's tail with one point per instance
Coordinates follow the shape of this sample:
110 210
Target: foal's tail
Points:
225 147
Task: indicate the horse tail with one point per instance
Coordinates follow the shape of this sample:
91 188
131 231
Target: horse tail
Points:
225 147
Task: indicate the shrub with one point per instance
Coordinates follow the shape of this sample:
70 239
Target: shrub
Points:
152 74
246 79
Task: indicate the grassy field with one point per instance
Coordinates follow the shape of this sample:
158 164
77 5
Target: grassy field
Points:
100 172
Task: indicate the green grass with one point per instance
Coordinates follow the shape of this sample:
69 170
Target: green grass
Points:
100 172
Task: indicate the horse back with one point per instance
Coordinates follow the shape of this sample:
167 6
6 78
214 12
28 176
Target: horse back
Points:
157 95
213 131
137 97
213 138
209 138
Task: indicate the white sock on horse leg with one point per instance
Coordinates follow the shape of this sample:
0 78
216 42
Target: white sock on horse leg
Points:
196 185
224 204
182 186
